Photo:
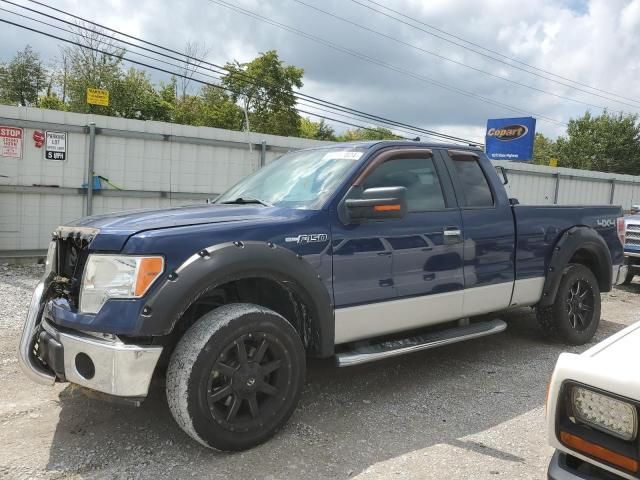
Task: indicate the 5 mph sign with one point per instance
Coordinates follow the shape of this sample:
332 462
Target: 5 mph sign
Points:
11 141
55 145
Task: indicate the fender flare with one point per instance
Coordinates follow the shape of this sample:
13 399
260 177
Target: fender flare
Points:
572 240
227 262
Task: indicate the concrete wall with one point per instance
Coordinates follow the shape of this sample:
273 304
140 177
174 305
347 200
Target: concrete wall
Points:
160 164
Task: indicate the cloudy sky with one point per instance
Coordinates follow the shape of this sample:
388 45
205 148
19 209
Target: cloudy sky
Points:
418 79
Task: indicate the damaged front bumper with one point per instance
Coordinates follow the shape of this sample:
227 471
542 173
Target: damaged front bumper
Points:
106 365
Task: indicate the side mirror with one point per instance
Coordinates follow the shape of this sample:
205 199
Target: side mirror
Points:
503 172
375 204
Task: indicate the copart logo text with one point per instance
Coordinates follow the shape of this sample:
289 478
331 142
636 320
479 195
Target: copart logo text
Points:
508 133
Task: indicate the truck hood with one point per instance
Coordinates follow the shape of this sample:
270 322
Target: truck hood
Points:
116 228
134 221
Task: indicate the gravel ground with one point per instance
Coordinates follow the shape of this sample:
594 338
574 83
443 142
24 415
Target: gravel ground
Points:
471 410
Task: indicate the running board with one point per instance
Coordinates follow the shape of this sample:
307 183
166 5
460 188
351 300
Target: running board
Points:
425 341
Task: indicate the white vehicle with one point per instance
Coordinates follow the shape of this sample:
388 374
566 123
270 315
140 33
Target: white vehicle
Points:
592 411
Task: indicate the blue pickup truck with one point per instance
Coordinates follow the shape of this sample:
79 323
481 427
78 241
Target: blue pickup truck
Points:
357 251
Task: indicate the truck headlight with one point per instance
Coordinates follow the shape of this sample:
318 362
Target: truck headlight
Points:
50 263
117 276
605 413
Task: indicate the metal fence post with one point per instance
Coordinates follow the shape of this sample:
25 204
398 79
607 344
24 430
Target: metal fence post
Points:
263 153
555 193
92 151
613 191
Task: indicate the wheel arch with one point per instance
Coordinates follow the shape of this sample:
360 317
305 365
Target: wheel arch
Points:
581 245
254 272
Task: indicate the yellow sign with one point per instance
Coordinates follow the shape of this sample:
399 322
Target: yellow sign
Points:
96 96
553 162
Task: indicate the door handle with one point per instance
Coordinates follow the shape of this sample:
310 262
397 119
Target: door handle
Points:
384 254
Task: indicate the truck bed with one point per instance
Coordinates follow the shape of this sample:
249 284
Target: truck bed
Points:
538 228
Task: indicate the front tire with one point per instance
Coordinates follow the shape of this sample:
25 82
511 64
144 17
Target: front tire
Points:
236 376
575 314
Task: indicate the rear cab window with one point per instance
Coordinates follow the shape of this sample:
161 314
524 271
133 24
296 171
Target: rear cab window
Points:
472 180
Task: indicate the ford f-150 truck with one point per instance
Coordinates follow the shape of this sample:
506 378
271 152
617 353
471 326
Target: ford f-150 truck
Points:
359 251
632 247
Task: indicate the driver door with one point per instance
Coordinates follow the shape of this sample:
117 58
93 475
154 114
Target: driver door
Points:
426 251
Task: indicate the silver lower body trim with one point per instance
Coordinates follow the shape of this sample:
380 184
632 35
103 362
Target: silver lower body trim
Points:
619 273
30 365
376 319
119 369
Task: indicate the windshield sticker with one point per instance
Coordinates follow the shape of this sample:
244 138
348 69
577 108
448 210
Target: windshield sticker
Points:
342 155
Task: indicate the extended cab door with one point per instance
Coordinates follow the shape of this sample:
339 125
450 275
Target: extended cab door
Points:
425 247
488 231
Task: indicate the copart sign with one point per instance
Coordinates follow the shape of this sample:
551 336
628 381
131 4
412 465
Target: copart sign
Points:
510 138
11 141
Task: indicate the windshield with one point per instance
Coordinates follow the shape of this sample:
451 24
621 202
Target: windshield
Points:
304 179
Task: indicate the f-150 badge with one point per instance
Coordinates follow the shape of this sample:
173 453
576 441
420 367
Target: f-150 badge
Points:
307 238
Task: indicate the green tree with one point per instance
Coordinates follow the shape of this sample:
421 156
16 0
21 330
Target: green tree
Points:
265 87
23 78
316 130
544 149
358 134
133 96
212 108
52 102
607 143
220 110
90 68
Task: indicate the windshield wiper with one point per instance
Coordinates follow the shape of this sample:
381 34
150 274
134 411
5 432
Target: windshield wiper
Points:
247 201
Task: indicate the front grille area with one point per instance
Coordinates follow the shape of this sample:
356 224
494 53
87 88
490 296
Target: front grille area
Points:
632 236
72 250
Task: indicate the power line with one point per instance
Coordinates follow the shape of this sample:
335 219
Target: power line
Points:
203 74
497 59
498 53
176 74
448 59
307 97
380 63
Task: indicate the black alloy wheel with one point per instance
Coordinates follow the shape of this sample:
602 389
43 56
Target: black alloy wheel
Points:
247 381
580 301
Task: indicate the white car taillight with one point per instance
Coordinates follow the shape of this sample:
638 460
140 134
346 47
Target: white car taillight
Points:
621 225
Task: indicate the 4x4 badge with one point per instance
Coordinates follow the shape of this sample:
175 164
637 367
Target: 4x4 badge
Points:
307 238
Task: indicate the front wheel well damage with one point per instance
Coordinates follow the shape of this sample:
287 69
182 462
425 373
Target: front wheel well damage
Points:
273 294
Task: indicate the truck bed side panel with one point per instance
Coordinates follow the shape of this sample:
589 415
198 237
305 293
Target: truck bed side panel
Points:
539 228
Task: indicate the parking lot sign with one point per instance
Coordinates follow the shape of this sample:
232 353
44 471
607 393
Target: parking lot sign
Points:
55 146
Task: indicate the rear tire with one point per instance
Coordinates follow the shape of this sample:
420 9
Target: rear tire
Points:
575 314
235 377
